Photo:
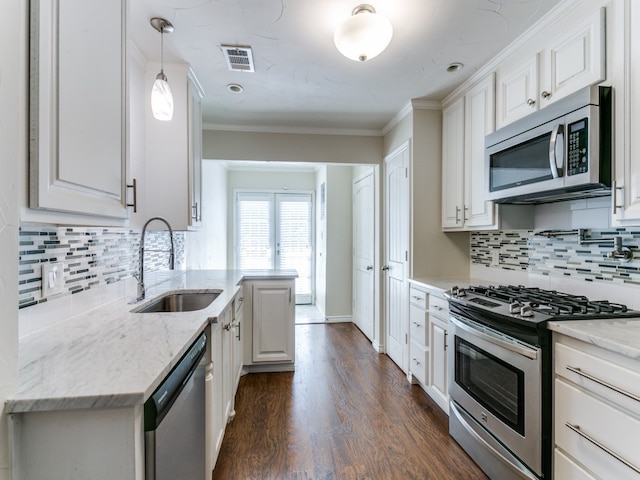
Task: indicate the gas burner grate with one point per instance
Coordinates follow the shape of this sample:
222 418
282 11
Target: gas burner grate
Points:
550 302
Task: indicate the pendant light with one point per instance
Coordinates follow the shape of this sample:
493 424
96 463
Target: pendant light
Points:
364 35
161 96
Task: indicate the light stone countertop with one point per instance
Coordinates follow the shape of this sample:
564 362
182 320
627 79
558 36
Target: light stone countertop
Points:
443 284
110 357
620 335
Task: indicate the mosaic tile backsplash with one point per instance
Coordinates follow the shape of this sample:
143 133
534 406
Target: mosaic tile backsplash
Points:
91 256
560 254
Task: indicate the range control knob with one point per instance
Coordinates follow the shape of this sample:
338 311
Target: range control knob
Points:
526 310
462 292
514 307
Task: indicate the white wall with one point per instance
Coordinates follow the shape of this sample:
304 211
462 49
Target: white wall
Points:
339 237
13 132
321 243
291 147
207 247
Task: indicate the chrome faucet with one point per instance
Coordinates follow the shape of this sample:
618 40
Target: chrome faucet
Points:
619 252
172 254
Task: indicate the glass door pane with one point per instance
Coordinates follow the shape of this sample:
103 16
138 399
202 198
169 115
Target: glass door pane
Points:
293 241
255 231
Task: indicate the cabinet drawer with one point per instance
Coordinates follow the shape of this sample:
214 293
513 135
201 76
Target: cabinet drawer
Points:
418 358
418 325
607 379
566 469
596 422
439 306
418 297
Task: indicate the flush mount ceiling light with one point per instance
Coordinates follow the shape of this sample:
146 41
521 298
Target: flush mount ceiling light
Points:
363 35
161 96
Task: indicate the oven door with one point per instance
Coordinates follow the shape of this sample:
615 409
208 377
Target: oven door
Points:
496 380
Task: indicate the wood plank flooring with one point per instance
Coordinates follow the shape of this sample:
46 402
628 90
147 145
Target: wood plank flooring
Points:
346 412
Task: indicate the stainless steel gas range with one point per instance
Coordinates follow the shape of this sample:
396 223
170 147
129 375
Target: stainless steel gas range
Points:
500 375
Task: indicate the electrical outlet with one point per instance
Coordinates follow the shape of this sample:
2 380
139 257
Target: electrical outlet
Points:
495 257
52 279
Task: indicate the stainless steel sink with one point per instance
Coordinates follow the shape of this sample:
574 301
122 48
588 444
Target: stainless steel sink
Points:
180 302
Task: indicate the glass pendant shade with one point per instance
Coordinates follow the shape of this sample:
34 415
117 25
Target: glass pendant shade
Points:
162 99
364 35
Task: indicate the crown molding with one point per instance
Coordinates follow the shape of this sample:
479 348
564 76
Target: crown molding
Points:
293 130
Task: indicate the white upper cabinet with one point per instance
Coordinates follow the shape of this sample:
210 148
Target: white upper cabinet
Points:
568 62
479 122
172 179
453 165
78 110
465 124
626 188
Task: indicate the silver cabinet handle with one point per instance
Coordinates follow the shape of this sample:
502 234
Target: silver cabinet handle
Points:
417 297
437 307
531 102
385 268
417 324
576 428
446 334
608 385
545 94
416 361
466 209
457 214
369 267
614 192
134 187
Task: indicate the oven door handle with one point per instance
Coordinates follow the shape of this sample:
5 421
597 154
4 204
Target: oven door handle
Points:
494 339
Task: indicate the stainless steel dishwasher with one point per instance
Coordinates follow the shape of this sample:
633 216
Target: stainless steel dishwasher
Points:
174 421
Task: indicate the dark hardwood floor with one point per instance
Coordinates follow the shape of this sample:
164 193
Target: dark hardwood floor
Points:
346 412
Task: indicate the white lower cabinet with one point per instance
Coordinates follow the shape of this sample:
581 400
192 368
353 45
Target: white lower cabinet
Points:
222 374
596 412
438 326
428 317
419 333
269 336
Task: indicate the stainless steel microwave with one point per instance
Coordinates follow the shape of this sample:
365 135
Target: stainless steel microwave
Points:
561 152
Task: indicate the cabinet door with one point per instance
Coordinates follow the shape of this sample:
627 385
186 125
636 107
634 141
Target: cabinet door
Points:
195 149
439 362
479 121
574 60
627 172
78 145
453 165
273 321
517 90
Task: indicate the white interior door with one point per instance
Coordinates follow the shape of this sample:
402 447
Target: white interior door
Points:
363 253
274 230
396 254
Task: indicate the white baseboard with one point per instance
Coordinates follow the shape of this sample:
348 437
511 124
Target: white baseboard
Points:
338 319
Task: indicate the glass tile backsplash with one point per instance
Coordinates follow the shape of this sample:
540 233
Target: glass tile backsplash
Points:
560 255
91 256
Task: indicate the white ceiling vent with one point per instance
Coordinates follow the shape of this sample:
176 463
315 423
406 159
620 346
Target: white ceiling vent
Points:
239 59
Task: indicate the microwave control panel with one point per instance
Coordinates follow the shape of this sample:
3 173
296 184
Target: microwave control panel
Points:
577 152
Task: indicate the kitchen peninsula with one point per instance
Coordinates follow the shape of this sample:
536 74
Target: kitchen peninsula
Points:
86 375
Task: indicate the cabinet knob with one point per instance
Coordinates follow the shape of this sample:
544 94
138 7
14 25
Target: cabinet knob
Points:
545 94
531 102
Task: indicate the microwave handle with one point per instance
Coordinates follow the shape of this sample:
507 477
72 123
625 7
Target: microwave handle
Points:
557 134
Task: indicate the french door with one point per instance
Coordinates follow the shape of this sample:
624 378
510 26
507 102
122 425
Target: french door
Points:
274 231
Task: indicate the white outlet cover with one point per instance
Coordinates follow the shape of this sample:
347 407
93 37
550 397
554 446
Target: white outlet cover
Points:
52 279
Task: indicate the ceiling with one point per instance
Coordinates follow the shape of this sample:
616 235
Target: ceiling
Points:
301 82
